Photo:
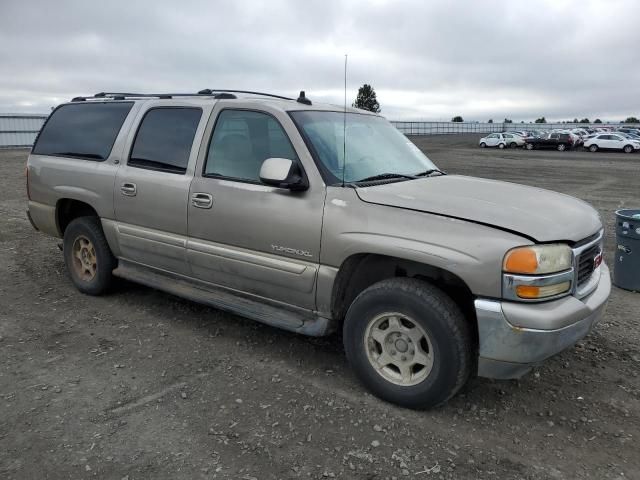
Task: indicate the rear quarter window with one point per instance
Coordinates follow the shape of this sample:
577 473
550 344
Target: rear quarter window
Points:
83 130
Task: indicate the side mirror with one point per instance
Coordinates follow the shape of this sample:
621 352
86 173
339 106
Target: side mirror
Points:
282 173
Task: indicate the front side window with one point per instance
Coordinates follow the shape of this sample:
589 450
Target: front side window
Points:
164 139
242 140
372 145
84 130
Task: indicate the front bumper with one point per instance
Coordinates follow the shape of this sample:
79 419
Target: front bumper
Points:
508 348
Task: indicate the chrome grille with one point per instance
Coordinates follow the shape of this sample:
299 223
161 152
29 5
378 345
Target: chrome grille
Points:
586 264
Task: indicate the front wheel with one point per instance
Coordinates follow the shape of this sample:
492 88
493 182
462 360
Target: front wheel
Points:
561 147
628 148
529 146
513 145
593 148
501 146
482 145
408 342
87 255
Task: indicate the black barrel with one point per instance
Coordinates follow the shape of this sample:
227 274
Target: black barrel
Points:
626 273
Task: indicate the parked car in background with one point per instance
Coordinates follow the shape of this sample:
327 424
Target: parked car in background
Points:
502 140
634 131
612 141
557 141
522 133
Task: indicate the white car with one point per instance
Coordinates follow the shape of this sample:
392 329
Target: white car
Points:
611 141
502 140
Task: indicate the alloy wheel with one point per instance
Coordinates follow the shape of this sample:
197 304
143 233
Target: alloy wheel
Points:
399 349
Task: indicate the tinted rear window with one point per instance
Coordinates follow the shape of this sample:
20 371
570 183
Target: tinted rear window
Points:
83 130
165 138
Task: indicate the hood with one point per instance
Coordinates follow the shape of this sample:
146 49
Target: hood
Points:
539 214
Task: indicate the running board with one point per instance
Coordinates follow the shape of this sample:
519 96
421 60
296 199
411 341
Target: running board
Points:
293 319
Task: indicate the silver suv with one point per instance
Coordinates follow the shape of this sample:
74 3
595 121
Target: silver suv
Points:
312 219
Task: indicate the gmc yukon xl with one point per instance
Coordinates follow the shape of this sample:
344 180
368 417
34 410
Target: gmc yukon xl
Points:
313 218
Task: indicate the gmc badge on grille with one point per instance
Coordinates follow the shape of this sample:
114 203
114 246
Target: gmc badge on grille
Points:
597 260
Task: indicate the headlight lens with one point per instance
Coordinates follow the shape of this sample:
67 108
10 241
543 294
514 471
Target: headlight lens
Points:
538 272
538 259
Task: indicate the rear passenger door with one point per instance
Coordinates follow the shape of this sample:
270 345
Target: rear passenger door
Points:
245 235
152 188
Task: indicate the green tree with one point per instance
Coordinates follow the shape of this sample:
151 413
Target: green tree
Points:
632 120
490 120
507 120
585 120
575 120
540 120
457 118
597 120
366 99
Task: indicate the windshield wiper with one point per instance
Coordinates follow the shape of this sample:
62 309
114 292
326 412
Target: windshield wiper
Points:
385 176
429 172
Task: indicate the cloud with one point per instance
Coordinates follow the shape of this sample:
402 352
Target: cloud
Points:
426 60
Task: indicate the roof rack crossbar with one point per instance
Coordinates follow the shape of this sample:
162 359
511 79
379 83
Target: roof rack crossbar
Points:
210 91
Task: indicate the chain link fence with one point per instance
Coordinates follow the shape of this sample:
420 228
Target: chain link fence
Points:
19 130
445 128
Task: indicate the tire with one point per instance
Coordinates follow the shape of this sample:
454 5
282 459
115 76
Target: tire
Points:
529 146
501 146
441 329
628 149
483 145
87 255
561 147
513 145
593 148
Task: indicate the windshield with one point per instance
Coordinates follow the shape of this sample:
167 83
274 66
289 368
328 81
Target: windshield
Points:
373 146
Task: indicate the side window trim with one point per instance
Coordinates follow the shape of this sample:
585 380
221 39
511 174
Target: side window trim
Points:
203 170
135 137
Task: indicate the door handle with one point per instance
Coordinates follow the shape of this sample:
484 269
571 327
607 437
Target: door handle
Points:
201 200
129 189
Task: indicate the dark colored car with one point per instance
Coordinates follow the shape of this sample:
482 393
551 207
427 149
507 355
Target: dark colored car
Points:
557 141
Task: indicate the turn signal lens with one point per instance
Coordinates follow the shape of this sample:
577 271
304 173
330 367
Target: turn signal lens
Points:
531 292
538 259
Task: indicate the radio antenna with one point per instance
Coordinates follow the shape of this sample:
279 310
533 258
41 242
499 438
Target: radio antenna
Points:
344 123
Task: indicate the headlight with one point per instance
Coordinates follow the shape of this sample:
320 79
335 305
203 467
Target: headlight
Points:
537 272
538 259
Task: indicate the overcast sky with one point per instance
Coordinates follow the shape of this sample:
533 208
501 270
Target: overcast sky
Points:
426 60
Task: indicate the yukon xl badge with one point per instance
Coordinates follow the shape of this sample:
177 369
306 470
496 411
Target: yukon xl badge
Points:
294 251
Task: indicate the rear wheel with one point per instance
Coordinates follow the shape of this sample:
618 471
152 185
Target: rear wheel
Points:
628 148
529 146
501 146
513 145
408 342
87 255
482 145
593 148
561 147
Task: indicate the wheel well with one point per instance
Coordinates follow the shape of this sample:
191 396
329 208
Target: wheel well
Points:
68 209
360 271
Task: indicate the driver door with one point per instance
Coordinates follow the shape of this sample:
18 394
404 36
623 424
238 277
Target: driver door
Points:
245 235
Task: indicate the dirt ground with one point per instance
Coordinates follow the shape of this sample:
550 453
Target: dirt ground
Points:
140 384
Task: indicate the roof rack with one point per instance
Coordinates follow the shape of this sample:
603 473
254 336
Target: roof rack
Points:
208 92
